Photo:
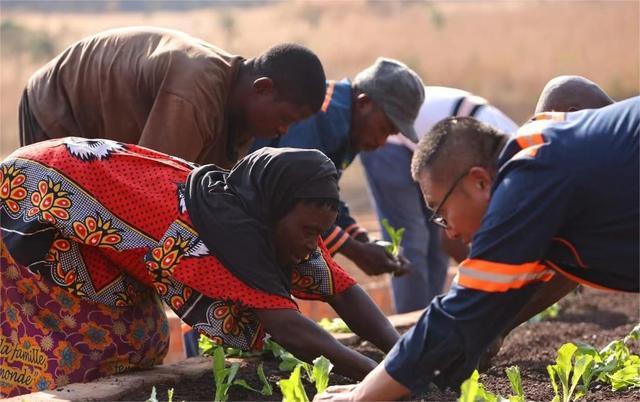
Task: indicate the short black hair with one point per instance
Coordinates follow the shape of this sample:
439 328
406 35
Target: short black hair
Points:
296 72
461 141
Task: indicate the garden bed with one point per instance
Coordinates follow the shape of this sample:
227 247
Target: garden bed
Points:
593 317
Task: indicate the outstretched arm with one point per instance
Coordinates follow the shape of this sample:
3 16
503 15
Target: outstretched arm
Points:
364 317
306 340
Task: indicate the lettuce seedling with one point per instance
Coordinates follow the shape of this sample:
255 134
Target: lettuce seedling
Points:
207 347
568 372
223 376
287 361
292 389
396 237
615 364
336 325
472 390
320 373
266 390
515 380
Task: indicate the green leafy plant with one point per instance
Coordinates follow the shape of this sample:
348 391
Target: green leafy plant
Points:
513 373
287 361
472 390
614 364
292 389
207 348
266 390
396 237
548 313
223 376
320 373
336 325
569 371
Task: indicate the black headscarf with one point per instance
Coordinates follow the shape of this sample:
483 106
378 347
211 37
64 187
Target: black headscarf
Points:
235 211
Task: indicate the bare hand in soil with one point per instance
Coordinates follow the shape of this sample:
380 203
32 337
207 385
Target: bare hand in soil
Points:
336 393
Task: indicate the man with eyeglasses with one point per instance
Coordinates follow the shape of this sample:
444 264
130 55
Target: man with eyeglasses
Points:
559 199
397 198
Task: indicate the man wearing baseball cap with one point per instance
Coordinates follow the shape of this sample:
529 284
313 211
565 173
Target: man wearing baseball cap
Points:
382 100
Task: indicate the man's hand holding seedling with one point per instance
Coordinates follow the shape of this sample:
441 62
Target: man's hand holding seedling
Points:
377 257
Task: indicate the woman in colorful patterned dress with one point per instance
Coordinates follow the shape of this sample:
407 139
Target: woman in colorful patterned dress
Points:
95 233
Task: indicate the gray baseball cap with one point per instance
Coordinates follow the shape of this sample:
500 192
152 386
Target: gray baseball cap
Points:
396 89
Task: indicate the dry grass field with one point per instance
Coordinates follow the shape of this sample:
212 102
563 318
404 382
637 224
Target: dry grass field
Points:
504 51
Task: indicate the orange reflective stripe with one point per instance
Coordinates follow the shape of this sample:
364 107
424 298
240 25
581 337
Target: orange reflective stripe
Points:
529 152
328 96
529 140
498 277
500 268
336 246
332 235
491 286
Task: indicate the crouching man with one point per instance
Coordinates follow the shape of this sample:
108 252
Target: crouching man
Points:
559 199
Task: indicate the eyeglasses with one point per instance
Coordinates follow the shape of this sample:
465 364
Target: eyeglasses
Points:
438 220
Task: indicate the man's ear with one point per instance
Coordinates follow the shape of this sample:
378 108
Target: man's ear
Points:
363 101
263 85
482 179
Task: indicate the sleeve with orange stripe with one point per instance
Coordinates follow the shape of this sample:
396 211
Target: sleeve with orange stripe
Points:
446 343
530 205
344 228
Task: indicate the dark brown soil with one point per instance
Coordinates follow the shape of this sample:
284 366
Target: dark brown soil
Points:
593 317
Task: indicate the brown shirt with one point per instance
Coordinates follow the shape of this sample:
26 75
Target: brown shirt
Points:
153 87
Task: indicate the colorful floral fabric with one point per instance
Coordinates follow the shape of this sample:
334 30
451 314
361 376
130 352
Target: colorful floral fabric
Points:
96 232
51 337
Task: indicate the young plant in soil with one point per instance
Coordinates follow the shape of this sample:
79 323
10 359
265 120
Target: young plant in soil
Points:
288 362
396 237
614 365
222 375
472 390
225 377
513 373
292 388
266 390
569 371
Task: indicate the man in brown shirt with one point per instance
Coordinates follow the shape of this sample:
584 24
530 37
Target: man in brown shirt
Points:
171 92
